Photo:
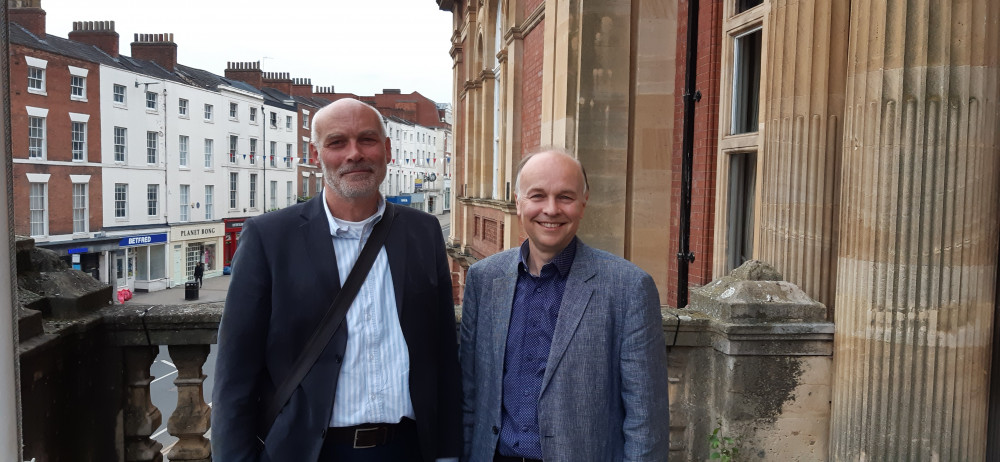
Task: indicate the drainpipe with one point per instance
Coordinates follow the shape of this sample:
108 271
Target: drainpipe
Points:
691 96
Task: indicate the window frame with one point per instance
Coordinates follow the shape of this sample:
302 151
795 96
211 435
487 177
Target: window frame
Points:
152 147
121 148
183 109
153 98
209 202
152 200
78 140
234 183
39 80
185 200
81 206
234 111
78 92
253 191
209 112
209 153
183 150
37 139
39 204
121 201
115 94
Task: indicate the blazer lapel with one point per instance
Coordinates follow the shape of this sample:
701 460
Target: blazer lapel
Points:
319 248
576 296
395 249
502 301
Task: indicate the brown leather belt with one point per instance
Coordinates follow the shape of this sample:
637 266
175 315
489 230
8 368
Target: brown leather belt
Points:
369 435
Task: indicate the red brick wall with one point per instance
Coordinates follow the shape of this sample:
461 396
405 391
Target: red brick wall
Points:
484 231
530 5
58 139
531 89
706 135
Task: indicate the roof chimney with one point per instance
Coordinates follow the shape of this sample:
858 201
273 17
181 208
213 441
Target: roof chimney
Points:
302 87
29 14
158 48
281 81
390 91
100 34
248 72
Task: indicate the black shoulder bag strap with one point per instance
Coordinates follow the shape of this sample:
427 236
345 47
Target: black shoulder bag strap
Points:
331 321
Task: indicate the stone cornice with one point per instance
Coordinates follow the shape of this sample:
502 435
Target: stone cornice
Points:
503 206
529 24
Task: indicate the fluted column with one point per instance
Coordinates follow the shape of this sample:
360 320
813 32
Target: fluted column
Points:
803 113
191 419
918 227
141 417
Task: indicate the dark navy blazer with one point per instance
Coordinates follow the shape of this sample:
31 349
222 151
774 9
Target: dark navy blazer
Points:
286 280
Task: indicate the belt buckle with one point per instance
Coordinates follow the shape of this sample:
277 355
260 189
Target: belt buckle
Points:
357 433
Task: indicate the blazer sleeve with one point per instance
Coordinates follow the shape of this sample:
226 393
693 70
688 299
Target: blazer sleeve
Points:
450 385
644 375
240 368
467 352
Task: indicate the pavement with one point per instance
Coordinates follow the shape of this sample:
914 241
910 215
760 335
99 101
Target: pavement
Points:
214 289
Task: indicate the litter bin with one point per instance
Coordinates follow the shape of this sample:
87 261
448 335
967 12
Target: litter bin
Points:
191 290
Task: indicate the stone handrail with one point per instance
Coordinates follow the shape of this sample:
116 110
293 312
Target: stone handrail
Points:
187 330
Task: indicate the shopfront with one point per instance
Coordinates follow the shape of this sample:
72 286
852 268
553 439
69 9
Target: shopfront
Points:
234 226
192 244
140 262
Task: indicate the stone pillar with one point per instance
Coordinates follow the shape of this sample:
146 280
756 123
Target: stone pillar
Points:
192 417
799 164
141 417
918 227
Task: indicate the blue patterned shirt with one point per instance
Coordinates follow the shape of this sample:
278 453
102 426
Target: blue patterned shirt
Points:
529 338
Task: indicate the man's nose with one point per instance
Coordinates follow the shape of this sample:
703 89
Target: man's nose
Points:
549 207
353 151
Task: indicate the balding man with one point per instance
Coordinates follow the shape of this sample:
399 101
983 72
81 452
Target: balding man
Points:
386 386
562 349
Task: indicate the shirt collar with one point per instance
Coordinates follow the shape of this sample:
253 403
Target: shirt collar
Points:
563 261
353 229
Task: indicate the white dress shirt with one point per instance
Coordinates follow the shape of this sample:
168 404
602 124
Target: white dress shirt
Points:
373 386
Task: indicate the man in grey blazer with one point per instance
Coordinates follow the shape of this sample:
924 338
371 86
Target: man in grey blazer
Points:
562 349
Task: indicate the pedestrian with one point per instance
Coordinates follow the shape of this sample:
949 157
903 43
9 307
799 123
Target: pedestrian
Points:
562 348
386 386
199 273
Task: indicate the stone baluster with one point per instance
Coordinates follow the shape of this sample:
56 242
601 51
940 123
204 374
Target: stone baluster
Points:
192 418
141 417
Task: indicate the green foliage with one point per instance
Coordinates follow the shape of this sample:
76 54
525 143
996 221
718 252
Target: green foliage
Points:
723 447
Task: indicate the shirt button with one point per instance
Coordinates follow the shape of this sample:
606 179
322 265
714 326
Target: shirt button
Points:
538 290
495 430
524 428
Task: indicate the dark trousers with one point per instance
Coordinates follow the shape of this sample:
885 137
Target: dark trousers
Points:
199 280
404 447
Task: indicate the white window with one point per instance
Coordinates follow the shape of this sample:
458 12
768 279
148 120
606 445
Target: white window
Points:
80 215
151 99
152 199
233 183
305 152
288 122
182 107
185 200
208 112
253 190
182 150
253 151
289 194
233 144
79 140
36 137
253 115
118 94
209 202
120 151
274 149
305 119
234 110
209 147
36 80
39 204
78 87
319 184
288 155
274 195
121 200
274 120
305 186
152 141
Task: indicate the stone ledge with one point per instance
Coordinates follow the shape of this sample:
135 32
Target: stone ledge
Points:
192 324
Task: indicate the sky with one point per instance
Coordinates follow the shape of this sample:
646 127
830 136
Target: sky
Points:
355 46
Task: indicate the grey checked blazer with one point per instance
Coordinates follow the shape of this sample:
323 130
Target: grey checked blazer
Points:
604 392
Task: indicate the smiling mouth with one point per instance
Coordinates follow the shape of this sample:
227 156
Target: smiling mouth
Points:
550 225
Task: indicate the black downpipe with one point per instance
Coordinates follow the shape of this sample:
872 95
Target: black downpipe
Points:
691 96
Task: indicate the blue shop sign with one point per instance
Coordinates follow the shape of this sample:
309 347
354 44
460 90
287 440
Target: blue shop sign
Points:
78 250
142 239
402 200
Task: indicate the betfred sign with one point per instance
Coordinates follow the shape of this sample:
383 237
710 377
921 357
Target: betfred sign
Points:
142 239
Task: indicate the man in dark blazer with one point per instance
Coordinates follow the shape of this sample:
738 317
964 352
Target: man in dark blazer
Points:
562 349
287 277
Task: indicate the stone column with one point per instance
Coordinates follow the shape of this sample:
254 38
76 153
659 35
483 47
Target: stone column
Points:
918 227
141 417
799 167
191 419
